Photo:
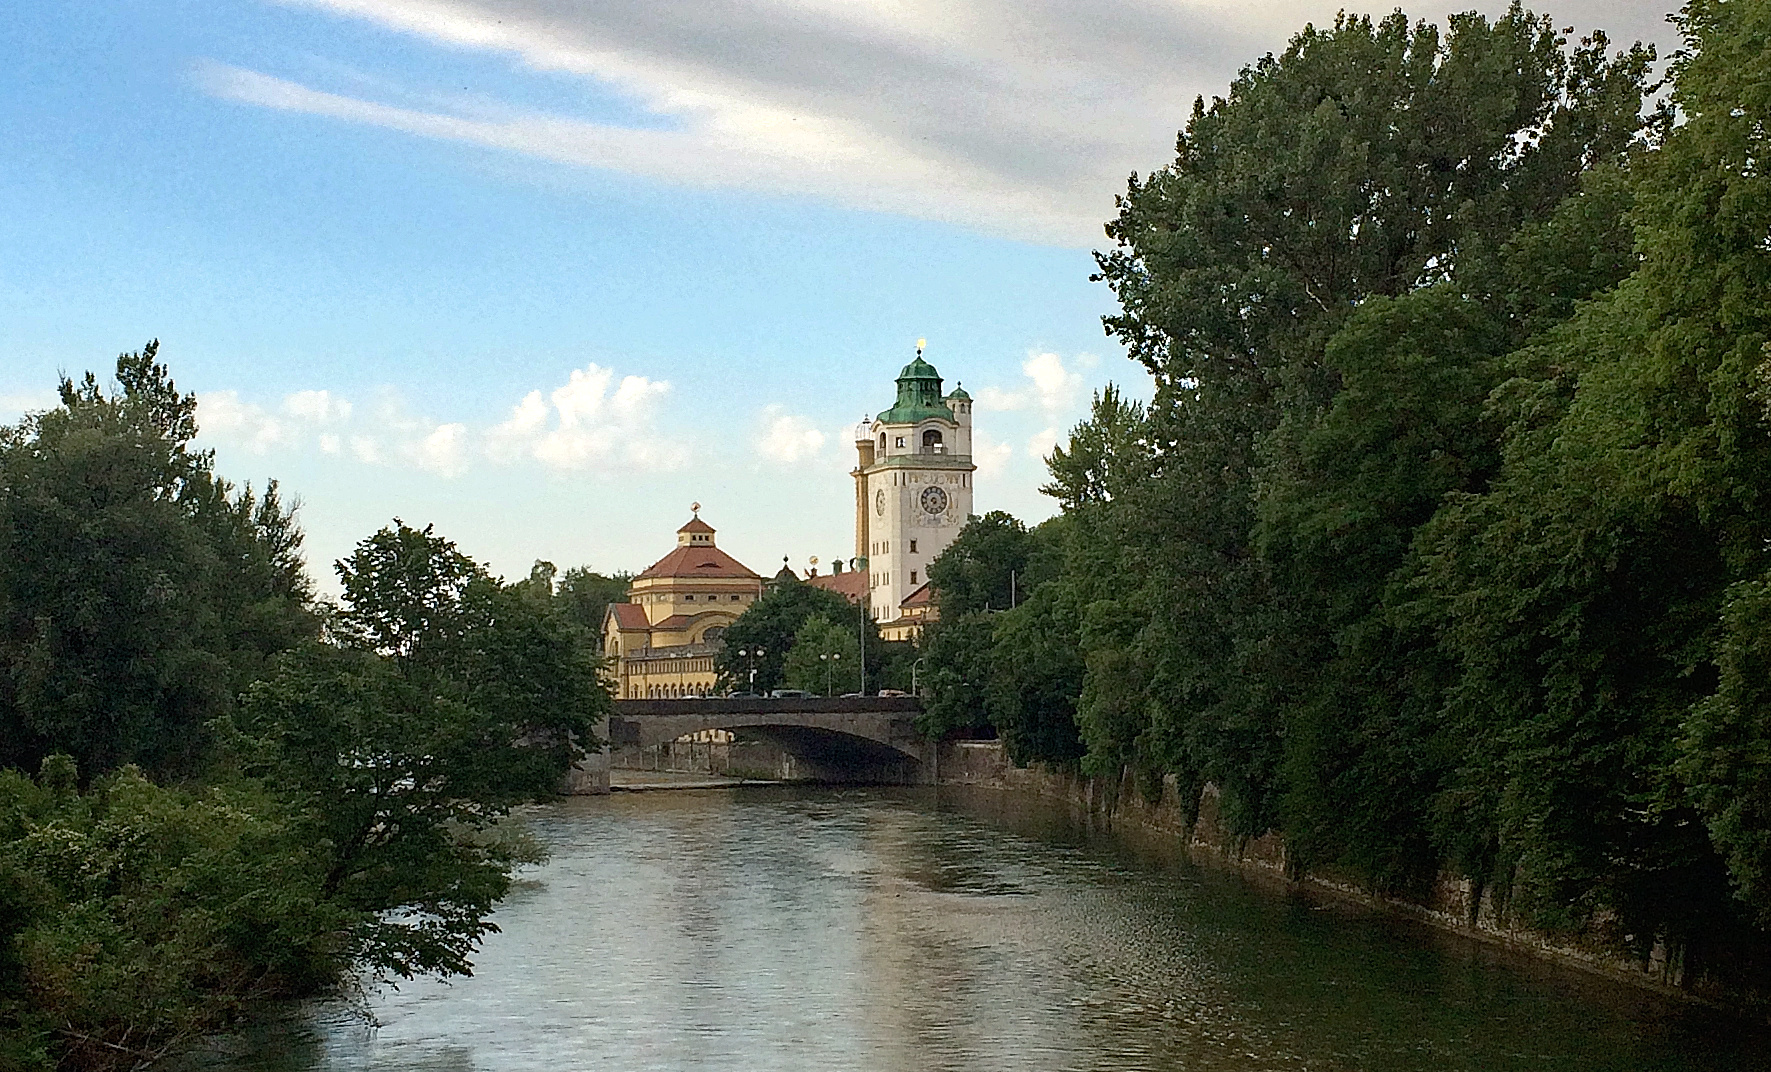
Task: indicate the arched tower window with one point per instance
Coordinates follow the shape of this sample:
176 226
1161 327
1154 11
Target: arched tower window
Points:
931 441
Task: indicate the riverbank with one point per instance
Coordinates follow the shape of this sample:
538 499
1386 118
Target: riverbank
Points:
1453 905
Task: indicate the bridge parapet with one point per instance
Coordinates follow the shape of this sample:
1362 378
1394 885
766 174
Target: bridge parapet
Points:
871 723
909 706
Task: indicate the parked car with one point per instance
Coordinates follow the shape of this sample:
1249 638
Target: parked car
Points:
893 692
789 694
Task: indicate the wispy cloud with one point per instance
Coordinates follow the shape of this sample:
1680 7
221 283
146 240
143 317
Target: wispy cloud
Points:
1050 388
16 404
788 439
1019 117
224 416
592 420
989 454
320 407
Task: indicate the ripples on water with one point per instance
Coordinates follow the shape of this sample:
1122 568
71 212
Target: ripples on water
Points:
877 931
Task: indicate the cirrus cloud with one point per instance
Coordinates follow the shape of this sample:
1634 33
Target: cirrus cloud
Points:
1016 117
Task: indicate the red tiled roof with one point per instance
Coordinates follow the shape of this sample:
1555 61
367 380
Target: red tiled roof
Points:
696 525
922 597
681 621
852 585
629 616
700 560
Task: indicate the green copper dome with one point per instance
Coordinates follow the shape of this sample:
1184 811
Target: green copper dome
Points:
919 395
959 393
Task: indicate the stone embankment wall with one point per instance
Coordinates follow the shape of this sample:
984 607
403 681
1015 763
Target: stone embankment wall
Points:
984 764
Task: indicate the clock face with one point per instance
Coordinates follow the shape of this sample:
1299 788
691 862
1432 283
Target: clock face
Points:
879 502
934 500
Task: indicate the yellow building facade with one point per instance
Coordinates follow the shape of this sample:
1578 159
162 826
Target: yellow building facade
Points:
661 643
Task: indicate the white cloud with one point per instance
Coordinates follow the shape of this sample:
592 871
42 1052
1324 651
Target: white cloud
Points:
1040 443
443 451
223 417
17 404
367 450
593 419
320 407
589 425
989 455
1050 388
788 439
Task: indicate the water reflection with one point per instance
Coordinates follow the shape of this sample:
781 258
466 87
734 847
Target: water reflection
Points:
882 930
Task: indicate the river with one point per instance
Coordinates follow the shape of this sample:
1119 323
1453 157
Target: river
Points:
883 930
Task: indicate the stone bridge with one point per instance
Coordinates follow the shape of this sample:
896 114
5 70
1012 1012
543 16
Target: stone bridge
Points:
839 738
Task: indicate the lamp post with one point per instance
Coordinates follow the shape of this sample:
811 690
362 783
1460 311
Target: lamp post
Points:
915 671
751 655
830 659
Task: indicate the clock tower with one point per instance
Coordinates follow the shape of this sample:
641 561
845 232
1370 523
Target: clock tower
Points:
913 485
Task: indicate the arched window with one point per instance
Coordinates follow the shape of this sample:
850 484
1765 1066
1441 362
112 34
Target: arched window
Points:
713 633
931 441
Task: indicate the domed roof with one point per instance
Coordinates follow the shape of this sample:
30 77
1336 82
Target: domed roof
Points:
919 395
919 370
864 430
959 393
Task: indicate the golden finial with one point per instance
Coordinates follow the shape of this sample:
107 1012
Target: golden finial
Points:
695 508
920 343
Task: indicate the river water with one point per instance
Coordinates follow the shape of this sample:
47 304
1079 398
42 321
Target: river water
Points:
884 930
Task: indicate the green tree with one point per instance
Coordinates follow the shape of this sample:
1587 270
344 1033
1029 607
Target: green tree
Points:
139 591
771 624
1449 172
825 658
984 567
959 654
1036 675
584 595
1599 599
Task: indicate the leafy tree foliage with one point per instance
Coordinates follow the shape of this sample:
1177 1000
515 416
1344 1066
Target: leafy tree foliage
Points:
341 795
773 622
584 595
1443 543
825 658
137 917
960 653
139 591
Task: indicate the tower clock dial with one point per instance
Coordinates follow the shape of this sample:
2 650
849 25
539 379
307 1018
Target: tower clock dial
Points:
879 502
934 500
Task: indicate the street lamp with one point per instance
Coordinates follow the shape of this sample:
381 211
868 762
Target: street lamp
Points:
829 660
915 670
751 655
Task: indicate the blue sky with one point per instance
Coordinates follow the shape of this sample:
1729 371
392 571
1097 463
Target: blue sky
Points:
543 272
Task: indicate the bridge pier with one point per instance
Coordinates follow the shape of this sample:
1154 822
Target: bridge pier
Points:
590 775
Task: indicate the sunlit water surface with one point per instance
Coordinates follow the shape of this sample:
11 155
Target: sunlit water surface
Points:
883 930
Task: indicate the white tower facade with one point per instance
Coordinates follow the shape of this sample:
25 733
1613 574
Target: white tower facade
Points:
913 485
